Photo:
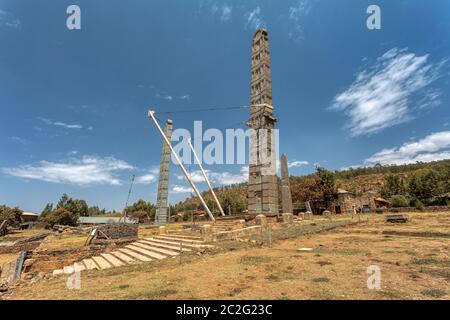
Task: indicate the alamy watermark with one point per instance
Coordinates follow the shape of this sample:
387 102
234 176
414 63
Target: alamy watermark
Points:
374 280
236 146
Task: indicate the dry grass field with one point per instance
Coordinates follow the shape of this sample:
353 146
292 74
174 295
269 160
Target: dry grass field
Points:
414 259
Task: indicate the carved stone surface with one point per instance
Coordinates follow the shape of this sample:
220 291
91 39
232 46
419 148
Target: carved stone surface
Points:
162 206
263 183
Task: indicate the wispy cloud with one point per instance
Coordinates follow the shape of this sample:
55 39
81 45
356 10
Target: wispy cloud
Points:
84 171
226 12
61 124
385 94
433 147
185 97
148 177
297 164
254 18
8 20
164 97
297 14
223 11
18 140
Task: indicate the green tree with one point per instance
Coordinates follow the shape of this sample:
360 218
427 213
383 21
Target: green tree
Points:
76 206
12 215
393 185
136 209
327 184
47 210
60 216
424 185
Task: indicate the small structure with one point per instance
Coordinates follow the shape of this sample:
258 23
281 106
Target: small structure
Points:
346 201
381 203
29 216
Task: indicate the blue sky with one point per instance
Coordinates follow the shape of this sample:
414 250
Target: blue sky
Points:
73 104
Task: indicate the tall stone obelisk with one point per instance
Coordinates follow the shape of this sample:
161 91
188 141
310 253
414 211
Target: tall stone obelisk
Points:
162 205
263 183
286 197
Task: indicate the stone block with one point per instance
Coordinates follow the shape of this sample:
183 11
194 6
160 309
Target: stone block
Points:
162 230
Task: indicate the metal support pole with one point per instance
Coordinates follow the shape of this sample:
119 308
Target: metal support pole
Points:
206 178
151 114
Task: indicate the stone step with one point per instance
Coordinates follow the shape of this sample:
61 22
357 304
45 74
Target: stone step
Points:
189 245
68 270
58 272
79 266
183 236
135 255
165 246
101 262
112 260
124 257
146 252
153 248
90 264
176 239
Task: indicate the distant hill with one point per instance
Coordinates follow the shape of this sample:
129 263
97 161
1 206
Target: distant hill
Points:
368 180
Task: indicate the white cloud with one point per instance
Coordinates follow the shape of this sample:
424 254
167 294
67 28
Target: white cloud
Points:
84 171
254 18
149 177
433 147
383 95
185 97
297 14
8 20
181 189
62 124
297 164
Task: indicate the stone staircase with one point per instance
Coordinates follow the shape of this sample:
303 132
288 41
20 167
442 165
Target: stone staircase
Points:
144 250
224 225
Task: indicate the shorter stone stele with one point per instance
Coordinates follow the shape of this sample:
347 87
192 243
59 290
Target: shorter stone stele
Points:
308 215
162 230
288 218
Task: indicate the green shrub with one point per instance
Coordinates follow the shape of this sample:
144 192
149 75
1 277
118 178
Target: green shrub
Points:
398 201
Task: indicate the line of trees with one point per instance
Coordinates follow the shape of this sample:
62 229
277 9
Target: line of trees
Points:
423 187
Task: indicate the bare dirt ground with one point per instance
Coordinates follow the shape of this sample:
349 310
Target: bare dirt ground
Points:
414 259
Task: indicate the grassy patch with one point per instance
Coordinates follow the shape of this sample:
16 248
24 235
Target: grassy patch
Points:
434 293
253 260
343 251
321 279
426 261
